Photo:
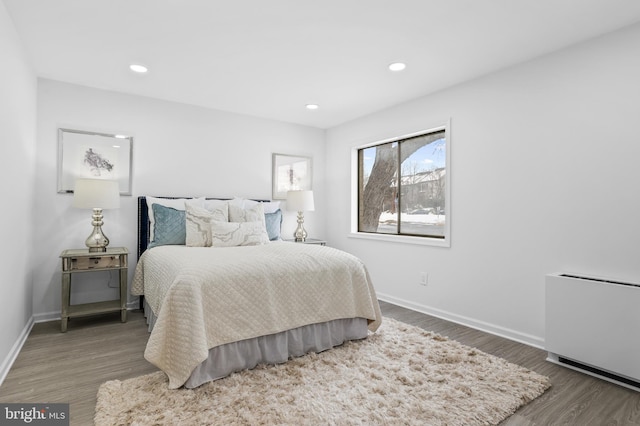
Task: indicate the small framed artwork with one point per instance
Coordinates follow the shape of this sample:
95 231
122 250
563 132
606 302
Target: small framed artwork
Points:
93 155
290 172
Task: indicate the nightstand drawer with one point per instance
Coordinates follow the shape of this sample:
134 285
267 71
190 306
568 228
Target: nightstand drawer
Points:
87 262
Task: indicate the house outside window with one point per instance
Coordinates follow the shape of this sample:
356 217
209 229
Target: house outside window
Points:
403 187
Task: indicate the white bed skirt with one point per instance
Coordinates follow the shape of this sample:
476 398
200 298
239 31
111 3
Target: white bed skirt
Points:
272 349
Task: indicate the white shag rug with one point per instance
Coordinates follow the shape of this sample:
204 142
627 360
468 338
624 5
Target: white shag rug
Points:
399 375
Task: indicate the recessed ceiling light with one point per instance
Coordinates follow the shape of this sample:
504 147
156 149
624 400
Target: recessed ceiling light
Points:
397 66
312 106
138 68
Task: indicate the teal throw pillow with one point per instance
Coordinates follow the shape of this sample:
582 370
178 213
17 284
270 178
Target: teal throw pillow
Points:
170 226
273 223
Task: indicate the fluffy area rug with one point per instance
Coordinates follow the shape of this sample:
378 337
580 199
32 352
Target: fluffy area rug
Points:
399 375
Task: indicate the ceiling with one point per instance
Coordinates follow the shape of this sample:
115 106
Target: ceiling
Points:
269 58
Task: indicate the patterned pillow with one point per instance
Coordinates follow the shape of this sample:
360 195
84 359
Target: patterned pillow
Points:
253 214
232 234
245 203
213 204
169 226
198 219
273 223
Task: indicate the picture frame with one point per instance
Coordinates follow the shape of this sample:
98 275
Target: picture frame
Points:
290 172
83 154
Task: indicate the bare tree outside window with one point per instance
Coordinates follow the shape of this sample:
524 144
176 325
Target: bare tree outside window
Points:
402 186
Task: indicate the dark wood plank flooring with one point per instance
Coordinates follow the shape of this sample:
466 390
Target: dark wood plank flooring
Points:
69 367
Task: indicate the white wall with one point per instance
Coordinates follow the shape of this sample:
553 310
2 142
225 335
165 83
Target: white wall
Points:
544 173
17 149
177 150
544 178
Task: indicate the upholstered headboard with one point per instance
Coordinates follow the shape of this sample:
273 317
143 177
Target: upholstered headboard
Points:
143 220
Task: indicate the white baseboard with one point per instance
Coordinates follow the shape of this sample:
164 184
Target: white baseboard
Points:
46 317
15 350
527 339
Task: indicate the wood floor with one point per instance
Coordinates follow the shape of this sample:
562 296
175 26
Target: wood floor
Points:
55 367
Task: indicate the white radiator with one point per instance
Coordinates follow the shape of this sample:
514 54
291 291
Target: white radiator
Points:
593 325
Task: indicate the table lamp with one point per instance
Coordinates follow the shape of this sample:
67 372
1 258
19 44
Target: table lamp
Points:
300 201
96 194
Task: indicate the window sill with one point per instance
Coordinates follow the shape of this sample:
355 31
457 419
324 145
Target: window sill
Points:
402 239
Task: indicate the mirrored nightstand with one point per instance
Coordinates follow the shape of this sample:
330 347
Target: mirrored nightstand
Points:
83 261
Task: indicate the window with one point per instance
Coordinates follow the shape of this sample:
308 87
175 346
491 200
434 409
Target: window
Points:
403 186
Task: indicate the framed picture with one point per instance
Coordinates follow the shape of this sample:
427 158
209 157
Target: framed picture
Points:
93 155
290 172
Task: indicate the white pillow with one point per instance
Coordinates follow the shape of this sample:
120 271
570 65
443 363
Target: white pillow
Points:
237 201
211 205
232 234
198 221
254 214
269 206
177 204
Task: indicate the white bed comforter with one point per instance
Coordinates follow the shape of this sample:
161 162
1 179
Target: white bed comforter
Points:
204 297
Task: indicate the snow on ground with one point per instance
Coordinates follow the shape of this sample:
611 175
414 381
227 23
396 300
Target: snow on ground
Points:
428 219
416 224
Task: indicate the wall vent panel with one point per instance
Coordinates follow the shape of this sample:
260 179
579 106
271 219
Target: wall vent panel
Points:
593 325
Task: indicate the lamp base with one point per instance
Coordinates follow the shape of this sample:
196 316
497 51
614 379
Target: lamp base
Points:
97 242
300 234
97 249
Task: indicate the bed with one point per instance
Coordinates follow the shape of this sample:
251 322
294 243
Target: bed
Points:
227 294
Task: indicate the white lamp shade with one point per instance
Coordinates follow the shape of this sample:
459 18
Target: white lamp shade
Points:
96 193
300 201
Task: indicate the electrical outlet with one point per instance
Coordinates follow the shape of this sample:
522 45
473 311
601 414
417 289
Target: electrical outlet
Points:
424 278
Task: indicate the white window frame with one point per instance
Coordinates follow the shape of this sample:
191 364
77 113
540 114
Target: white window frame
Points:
405 239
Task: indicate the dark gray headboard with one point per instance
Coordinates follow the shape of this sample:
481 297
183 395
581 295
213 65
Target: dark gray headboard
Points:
143 220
